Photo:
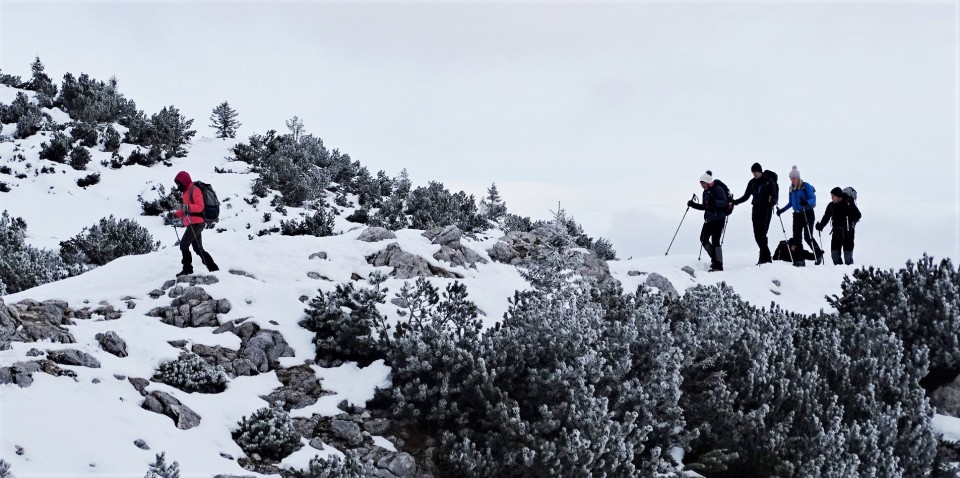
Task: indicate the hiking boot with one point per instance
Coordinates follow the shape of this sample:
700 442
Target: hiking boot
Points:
185 272
715 267
819 258
799 264
213 268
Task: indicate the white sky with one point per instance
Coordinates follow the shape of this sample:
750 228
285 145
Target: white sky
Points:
612 110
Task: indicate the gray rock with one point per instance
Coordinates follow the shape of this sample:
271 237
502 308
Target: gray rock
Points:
73 357
689 270
401 465
20 373
140 384
456 254
111 342
776 282
32 321
155 294
347 431
191 307
514 247
377 426
141 444
662 284
316 444
376 234
314 275
265 348
635 273
319 255
947 398
406 265
165 404
131 305
444 235
238 272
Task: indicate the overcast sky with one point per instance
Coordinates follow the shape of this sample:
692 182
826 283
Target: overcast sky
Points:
613 110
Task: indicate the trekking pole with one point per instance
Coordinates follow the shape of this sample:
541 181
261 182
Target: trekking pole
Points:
724 235
694 198
784 234
814 241
177 233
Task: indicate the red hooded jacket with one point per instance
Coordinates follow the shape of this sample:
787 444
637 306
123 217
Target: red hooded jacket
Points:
191 211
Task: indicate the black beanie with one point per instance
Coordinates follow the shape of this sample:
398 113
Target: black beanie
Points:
837 192
756 168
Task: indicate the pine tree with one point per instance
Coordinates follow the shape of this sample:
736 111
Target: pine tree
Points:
42 84
492 207
224 121
160 469
296 128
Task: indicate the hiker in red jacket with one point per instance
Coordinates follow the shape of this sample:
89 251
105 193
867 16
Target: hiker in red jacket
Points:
191 213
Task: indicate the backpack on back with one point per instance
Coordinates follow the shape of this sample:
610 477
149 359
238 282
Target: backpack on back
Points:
851 194
726 193
774 187
211 204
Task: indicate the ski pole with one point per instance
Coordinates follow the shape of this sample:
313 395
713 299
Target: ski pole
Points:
813 241
694 198
724 235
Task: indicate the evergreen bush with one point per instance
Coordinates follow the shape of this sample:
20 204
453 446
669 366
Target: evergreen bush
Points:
89 180
23 266
57 149
351 466
268 433
110 138
160 469
79 158
434 206
356 333
107 240
190 373
85 133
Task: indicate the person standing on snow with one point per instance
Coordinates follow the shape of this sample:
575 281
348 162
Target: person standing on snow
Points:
803 198
763 190
845 215
714 205
191 214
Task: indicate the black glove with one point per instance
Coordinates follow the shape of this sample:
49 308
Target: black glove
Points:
690 203
803 202
779 212
819 227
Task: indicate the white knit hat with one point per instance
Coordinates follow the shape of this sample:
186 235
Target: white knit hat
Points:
707 177
794 173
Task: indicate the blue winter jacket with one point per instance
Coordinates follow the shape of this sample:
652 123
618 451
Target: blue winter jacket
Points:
802 198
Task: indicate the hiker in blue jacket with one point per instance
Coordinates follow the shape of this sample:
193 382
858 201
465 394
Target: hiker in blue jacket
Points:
803 198
714 205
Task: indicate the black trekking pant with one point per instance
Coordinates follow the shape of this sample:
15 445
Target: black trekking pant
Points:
803 223
710 238
761 224
842 238
192 237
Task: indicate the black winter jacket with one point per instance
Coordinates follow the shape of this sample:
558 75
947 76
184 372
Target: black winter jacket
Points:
762 191
844 213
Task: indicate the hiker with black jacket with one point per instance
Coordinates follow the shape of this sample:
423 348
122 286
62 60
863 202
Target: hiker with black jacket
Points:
845 215
803 198
191 214
715 203
763 189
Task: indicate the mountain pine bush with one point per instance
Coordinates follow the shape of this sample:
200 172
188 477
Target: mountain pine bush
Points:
434 206
920 303
79 158
269 433
5 469
23 266
355 334
190 373
777 394
57 149
107 240
351 466
110 138
160 469
85 133
319 224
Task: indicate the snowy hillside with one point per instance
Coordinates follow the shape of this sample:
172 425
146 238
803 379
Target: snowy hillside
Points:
85 420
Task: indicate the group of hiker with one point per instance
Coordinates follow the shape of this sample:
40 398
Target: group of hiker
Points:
763 190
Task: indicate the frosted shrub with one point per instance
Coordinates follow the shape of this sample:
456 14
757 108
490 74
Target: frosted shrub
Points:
191 373
268 433
57 149
5 469
352 334
920 303
774 394
319 224
160 469
107 240
334 467
434 206
433 353
23 266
